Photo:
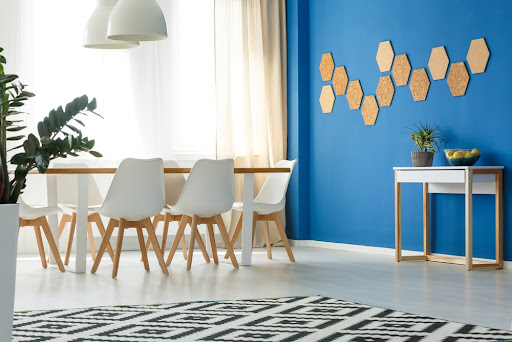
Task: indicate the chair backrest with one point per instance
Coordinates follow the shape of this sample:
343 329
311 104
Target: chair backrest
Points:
137 190
174 183
276 184
67 185
209 190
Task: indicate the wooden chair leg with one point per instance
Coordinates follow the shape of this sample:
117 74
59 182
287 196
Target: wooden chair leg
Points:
184 246
40 246
254 219
103 246
156 247
225 237
211 234
267 239
167 221
62 225
119 246
179 234
156 220
201 245
70 238
237 231
192 240
51 242
280 228
101 228
143 248
91 241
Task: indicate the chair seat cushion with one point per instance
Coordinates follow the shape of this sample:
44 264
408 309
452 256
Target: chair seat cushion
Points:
171 210
71 209
259 208
32 213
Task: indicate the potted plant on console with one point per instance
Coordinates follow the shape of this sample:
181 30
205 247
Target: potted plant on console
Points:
427 138
59 137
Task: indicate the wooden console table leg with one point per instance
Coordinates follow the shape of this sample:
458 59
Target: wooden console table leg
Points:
499 218
398 220
469 218
426 220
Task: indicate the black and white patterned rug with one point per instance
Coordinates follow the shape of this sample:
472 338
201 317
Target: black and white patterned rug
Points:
271 320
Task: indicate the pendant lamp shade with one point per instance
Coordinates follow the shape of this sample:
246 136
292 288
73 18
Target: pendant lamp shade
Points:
96 29
139 20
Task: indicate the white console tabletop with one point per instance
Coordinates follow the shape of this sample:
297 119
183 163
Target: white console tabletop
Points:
467 180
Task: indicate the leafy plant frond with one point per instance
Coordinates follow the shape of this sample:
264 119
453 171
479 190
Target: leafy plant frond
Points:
426 137
59 136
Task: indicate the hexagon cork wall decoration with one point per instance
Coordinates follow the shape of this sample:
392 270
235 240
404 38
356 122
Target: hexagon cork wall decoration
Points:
385 91
340 80
401 70
438 63
327 99
370 110
326 66
458 79
354 94
385 55
420 83
478 56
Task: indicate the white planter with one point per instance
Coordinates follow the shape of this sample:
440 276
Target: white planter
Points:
9 216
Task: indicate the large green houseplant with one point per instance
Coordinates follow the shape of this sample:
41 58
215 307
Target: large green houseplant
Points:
59 135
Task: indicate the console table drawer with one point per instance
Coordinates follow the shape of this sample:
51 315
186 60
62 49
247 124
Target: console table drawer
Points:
433 176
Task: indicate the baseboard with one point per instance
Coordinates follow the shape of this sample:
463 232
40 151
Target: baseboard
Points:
367 249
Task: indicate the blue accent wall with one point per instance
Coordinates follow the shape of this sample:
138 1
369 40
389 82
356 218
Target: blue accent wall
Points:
350 177
298 118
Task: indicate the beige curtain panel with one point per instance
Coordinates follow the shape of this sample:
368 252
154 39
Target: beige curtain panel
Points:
250 59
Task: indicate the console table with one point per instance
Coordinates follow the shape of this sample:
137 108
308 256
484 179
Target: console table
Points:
467 180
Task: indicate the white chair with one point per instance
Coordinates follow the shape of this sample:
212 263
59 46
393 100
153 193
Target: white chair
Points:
67 189
36 217
208 192
135 195
174 183
267 205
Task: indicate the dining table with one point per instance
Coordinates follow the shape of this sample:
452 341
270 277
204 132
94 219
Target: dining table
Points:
83 174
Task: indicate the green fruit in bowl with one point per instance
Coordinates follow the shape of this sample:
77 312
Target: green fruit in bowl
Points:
476 152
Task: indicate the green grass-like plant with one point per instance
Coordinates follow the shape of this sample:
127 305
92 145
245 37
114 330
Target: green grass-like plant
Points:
426 137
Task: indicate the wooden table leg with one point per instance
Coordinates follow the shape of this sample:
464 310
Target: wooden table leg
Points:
426 220
469 218
499 218
398 219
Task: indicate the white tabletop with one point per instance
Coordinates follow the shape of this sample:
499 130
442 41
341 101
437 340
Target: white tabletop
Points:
446 167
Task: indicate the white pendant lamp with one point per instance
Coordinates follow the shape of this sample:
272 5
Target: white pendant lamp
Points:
139 20
96 29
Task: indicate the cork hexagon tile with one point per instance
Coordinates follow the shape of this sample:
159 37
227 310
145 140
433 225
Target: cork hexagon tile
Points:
419 84
340 80
401 70
438 63
478 56
326 66
385 55
370 110
327 99
385 91
354 94
458 79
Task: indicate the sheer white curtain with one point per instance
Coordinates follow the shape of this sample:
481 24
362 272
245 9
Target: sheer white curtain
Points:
157 100
250 48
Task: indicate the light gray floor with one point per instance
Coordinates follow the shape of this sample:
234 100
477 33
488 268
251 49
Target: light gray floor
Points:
426 288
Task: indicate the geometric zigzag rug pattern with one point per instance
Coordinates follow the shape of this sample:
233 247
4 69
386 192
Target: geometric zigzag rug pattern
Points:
270 320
